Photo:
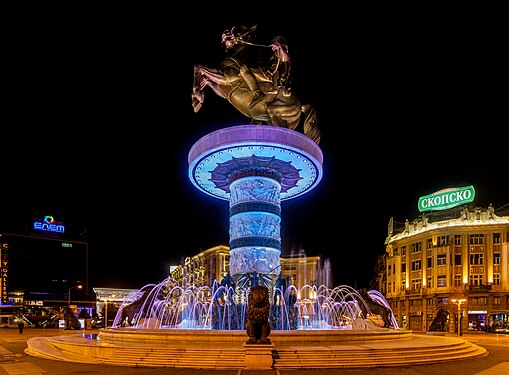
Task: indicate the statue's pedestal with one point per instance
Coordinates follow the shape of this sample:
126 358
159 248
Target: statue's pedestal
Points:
255 168
258 356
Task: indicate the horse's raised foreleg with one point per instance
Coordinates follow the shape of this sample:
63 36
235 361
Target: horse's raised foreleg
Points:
197 96
204 77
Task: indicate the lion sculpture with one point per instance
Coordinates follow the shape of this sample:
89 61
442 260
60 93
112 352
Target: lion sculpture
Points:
440 320
257 326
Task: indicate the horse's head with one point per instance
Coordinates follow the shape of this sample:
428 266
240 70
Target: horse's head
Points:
232 37
363 292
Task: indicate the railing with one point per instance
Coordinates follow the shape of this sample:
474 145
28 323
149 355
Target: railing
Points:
479 287
412 291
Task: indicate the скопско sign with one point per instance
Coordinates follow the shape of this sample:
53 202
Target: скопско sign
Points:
446 198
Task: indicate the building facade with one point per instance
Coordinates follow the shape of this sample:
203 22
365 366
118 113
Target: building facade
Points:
455 259
214 264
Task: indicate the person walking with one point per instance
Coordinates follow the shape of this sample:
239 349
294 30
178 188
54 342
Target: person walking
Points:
21 325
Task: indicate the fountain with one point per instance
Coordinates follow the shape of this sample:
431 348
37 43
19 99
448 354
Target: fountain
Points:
254 167
168 305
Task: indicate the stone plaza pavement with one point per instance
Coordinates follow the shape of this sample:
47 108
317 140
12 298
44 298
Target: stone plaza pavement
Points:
14 360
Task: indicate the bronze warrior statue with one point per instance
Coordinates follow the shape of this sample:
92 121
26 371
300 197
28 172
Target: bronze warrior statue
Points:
256 80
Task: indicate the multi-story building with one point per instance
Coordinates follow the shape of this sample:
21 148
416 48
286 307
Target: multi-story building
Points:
203 268
455 258
214 264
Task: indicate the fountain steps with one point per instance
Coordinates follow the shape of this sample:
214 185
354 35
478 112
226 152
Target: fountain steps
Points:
132 356
368 357
419 349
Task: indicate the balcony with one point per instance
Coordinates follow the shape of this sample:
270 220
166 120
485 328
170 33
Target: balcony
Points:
479 288
409 292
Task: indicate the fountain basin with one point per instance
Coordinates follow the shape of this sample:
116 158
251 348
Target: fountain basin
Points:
237 337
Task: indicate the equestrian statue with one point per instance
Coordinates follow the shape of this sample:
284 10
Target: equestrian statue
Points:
256 80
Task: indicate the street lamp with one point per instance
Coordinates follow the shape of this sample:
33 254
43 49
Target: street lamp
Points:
459 301
106 311
69 293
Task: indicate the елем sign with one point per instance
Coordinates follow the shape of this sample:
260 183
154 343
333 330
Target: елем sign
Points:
49 224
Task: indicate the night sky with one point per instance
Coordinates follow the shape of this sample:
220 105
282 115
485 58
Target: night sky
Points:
99 123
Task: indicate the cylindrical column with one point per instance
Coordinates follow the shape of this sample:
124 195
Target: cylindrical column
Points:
255 225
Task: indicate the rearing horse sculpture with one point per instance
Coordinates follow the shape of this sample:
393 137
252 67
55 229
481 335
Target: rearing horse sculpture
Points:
368 306
257 84
129 311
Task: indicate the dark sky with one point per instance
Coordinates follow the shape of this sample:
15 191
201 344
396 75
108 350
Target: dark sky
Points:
100 122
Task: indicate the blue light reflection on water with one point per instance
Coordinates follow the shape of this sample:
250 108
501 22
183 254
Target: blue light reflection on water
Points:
168 305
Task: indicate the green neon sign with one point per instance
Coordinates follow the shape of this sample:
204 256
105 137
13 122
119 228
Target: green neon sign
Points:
446 198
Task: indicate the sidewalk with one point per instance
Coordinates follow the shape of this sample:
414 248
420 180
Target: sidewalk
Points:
11 333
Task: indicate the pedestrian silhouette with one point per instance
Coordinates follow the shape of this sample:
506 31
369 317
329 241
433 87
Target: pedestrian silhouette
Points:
21 325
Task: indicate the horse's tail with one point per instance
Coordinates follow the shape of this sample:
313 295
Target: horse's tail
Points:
310 126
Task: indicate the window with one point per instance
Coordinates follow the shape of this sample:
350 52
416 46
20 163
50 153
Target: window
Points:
443 300
429 243
477 239
476 259
496 238
441 259
403 267
429 301
496 279
430 262
416 265
429 281
478 300
457 240
403 250
457 259
416 247
457 280
416 302
403 285
476 279
416 284
443 240
441 280
496 300
496 258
